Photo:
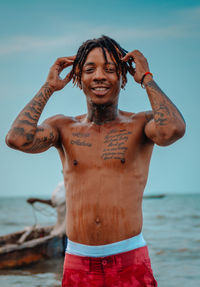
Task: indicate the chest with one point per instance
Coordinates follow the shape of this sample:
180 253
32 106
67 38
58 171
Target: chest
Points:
101 147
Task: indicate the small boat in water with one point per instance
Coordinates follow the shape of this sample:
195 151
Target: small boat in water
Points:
154 196
29 246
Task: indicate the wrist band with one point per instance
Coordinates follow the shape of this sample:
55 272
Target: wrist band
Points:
147 73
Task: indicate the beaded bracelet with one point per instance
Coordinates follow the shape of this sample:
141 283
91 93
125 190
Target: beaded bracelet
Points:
147 73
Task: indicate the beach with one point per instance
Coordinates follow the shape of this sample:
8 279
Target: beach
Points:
171 229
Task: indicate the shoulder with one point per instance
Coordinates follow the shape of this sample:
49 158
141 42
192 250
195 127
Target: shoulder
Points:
80 118
144 116
59 120
66 119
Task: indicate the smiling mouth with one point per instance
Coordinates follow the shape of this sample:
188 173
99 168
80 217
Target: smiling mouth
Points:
100 89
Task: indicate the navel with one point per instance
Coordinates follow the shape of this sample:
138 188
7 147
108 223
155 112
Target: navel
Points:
75 162
97 220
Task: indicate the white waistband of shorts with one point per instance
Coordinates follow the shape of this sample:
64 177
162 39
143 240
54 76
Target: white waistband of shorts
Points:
107 249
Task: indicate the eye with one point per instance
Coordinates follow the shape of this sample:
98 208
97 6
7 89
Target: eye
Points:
110 70
89 70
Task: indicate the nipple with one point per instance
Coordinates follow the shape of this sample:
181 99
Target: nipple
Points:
75 162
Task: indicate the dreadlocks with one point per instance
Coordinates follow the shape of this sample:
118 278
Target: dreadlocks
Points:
105 43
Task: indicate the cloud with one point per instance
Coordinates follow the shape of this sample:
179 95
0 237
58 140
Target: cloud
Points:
184 24
25 43
146 33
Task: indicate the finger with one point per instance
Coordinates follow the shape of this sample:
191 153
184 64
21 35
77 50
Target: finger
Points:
68 78
63 66
134 55
71 57
65 59
67 64
127 57
131 70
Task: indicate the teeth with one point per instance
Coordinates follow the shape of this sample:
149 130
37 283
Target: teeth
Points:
100 89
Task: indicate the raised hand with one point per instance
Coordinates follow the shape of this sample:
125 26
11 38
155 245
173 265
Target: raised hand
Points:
25 134
54 80
141 64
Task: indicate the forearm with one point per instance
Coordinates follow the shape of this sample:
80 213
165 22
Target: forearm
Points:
24 127
169 122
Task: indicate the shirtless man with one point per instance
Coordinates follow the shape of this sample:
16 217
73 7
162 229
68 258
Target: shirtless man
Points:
105 156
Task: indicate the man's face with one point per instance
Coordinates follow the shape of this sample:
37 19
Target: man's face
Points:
99 80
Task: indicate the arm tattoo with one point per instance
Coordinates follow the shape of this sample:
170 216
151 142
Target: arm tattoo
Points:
163 109
40 143
29 116
26 123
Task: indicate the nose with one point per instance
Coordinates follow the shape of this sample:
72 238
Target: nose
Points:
99 74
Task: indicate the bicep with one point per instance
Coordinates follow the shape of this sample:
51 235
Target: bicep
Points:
152 133
150 127
150 130
45 137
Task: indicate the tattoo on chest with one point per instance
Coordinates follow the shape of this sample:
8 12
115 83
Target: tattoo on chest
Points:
81 135
116 144
80 139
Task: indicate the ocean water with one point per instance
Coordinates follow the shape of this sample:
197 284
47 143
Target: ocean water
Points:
171 229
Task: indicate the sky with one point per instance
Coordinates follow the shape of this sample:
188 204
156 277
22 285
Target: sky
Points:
34 34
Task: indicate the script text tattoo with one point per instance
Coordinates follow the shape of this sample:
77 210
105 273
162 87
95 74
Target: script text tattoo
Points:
115 144
79 139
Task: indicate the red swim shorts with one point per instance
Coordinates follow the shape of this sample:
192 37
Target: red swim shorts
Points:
128 269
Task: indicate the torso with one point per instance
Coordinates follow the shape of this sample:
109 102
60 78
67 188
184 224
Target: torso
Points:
105 171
